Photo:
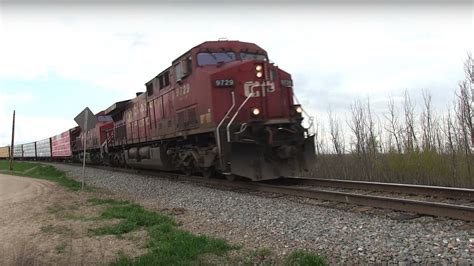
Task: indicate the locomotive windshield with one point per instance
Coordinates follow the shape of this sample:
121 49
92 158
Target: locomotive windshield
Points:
252 56
205 59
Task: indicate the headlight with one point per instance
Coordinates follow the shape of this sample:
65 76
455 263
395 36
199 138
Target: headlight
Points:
259 69
299 110
255 111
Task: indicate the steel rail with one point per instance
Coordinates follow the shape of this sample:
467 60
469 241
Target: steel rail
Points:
453 211
460 212
448 192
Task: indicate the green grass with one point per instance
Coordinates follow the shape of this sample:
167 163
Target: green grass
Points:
299 257
261 256
60 248
17 166
39 171
167 245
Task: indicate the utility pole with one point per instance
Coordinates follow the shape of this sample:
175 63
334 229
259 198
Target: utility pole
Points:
13 142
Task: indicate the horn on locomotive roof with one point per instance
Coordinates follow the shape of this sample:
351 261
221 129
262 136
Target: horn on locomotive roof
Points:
223 39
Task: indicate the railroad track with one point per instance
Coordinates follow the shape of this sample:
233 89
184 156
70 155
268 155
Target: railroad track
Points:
446 192
454 211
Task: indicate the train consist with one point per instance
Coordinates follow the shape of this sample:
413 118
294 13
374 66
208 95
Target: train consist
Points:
221 107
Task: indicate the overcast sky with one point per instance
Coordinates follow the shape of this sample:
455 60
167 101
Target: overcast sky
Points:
57 59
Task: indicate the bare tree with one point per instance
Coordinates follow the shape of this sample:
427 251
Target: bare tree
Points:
317 136
370 125
380 134
438 137
359 130
448 130
411 142
337 138
393 127
357 126
464 115
427 122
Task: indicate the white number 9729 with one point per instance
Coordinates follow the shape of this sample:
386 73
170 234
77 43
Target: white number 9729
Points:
224 82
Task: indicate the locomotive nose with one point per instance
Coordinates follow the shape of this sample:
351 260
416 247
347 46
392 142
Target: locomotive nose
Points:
259 85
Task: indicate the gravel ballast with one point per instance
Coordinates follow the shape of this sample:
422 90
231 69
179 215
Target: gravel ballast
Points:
284 224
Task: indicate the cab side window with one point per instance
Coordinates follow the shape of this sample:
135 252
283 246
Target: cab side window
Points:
183 68
164 80
149 88
178 72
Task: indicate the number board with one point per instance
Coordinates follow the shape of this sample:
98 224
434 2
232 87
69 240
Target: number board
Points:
224 82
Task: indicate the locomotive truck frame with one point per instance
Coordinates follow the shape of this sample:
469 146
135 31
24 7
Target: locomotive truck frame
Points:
221 107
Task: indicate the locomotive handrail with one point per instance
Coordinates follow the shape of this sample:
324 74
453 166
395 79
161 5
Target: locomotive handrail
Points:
218 135
235 115
310 118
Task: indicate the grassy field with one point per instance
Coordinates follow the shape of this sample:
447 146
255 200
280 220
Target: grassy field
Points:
37 170
420 168
166 243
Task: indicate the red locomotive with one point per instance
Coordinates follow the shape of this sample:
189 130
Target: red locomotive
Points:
221 107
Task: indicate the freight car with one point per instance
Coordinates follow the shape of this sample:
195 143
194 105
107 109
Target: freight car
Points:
29 151
220 107
43 149
18 151
63 144
4 152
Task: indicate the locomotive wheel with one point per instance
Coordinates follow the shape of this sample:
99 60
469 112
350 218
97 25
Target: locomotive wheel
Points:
187 172
231 177
208 172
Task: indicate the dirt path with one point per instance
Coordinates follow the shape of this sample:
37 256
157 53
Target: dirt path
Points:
19 204
15 189
40 223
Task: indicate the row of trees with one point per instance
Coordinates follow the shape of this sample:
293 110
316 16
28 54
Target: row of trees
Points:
407 143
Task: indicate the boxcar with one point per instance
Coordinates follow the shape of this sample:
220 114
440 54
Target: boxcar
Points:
43 148
18 151
29 150
61 145
4 152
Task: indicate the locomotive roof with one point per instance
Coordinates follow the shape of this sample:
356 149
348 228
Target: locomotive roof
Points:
225 45
215 45
116 107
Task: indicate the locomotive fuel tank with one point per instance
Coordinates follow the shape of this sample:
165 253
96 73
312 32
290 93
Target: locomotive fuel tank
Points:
149 158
